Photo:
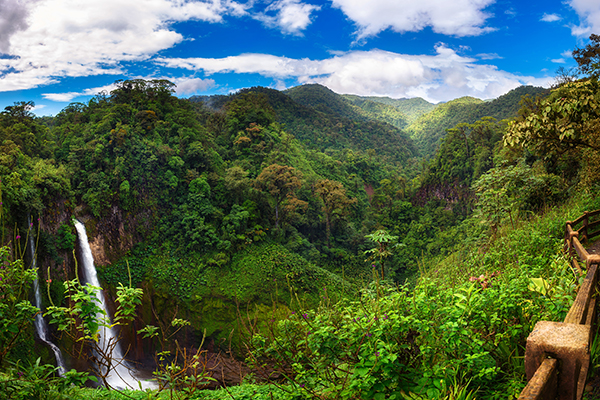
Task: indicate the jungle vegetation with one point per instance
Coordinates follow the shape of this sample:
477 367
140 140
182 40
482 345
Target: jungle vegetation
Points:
343 247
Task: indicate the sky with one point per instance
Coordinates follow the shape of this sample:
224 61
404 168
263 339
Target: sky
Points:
55 52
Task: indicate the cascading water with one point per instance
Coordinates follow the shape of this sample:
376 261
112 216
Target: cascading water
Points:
40 324
121 375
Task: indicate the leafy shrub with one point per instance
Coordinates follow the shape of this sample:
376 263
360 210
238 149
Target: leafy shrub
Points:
65 238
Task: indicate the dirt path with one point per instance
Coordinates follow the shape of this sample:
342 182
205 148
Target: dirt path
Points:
594 248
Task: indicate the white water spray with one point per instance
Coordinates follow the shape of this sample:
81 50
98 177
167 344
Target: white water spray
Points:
40 324
121 376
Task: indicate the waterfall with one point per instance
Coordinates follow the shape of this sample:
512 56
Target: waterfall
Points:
122 375
40 323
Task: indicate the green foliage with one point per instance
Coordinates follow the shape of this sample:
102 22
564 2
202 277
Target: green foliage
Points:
588 58
84 319
65 238
386 244
411 109
16 312
563 121
506 191
430 128
214 189
132 268
459 329
280 183
256 271
38 381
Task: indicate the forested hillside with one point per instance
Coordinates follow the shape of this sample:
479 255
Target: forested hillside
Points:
412 108
333 246
428 130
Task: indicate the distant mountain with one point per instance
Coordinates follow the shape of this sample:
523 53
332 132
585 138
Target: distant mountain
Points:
378 111
430 128
324 120
411 108
321 98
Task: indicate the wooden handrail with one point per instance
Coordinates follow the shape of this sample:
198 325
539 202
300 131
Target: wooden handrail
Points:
557 356
544 383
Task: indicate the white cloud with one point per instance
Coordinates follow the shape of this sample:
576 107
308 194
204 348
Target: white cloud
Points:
291 16
68 38
550 18
589 15
489 56
68 96
62 97
439 77
456 17
13 18
186 86
558 60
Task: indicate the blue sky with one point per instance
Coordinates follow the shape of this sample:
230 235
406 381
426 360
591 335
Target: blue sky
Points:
54 52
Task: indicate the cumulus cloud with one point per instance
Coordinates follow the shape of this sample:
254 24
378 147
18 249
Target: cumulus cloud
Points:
440 77
589 15
456 17
550 18
291 16
558 60
13 18
187 86
66 38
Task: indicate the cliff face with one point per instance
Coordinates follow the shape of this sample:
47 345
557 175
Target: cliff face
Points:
115 233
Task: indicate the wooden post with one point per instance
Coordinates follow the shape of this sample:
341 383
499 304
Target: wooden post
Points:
569 343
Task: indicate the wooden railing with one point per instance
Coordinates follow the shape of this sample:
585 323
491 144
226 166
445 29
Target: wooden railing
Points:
557 356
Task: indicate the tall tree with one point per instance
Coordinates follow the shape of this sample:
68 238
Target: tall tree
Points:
280 183
588 58
565 120
335 203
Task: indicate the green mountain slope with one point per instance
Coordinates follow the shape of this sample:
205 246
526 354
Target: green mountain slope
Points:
411 108
378 111
430 128
324 121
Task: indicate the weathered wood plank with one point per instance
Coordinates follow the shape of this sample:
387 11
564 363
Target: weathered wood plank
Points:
593 213
578 312
578 220
570 231
544 384
581 251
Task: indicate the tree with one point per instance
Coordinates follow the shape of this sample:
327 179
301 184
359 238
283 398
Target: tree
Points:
249 108
386 243
334 201
85 321
506 191
588 58
280 182
236 181
568 118
20 111
16 312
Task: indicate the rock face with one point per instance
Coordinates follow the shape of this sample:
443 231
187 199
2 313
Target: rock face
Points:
97 247
115 233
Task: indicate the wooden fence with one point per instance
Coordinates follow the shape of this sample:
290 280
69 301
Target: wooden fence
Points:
557 356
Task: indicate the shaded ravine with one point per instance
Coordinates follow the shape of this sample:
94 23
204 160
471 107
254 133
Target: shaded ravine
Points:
122 375
41 327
